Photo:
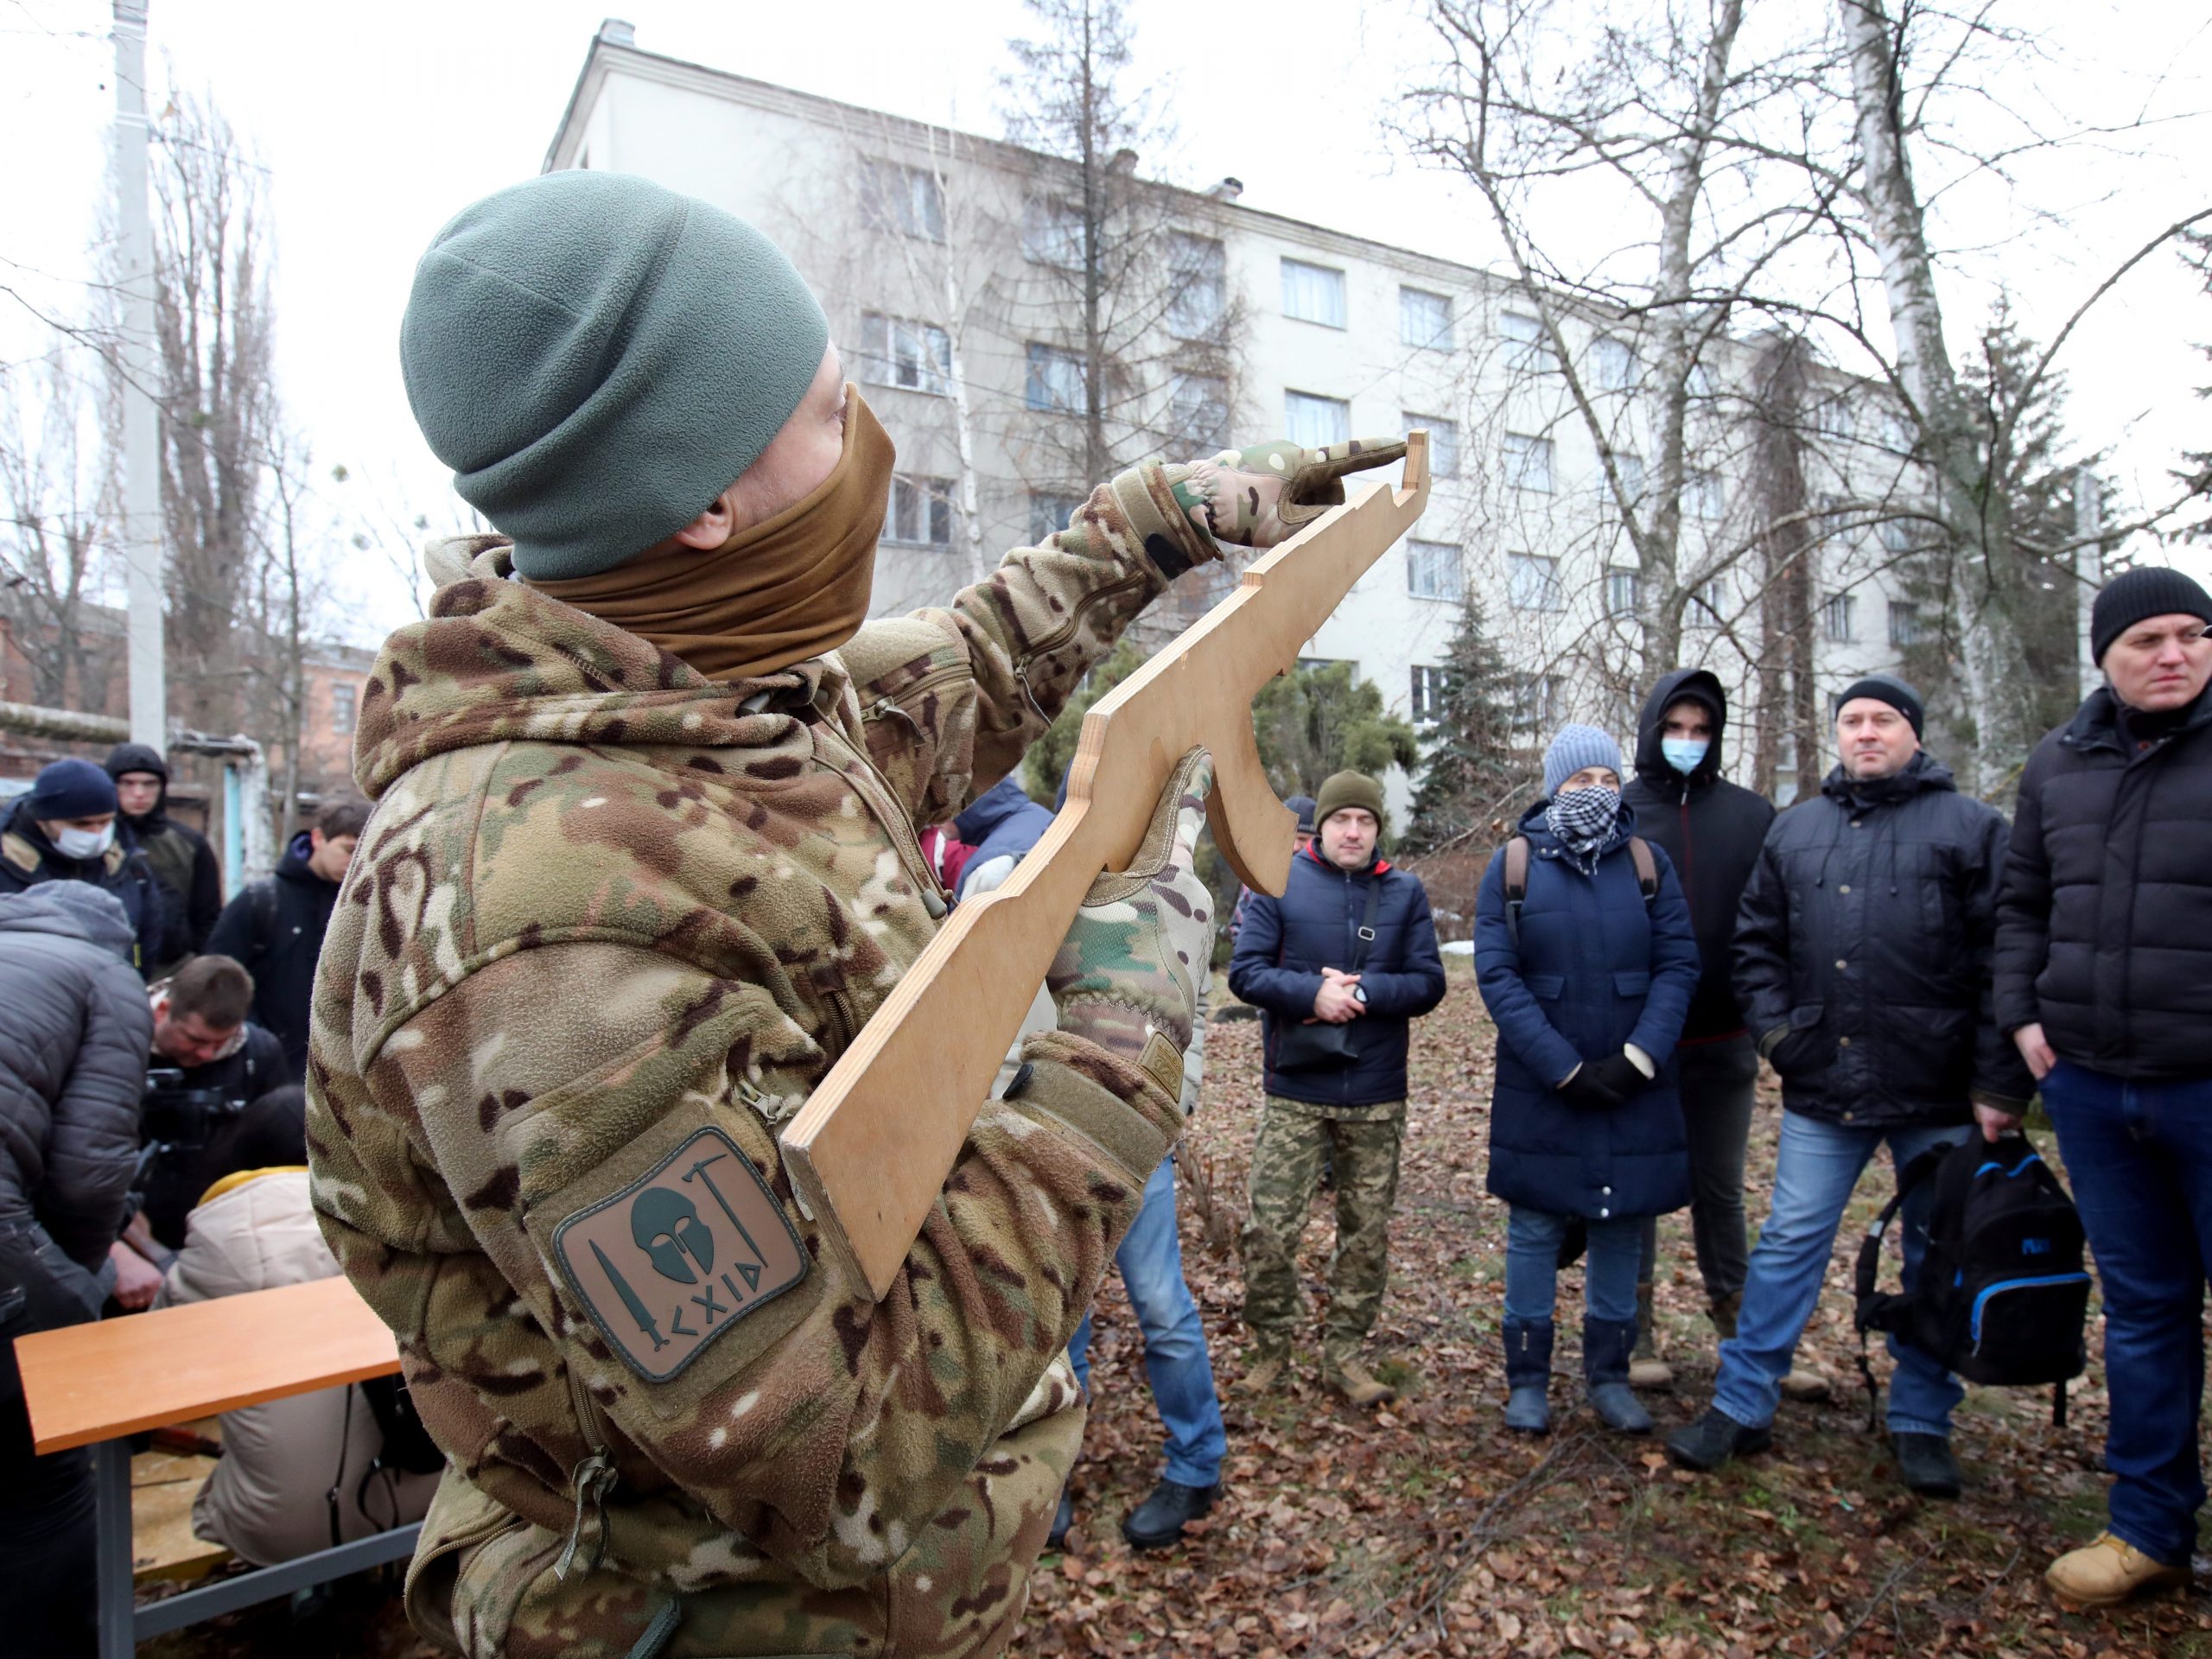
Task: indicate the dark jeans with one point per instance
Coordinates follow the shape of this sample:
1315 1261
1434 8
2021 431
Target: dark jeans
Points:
45 1503
2140 1158
1718 1080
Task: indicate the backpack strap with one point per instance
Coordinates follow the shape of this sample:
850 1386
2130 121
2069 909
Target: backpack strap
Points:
1517 887
1647 868
1874 1310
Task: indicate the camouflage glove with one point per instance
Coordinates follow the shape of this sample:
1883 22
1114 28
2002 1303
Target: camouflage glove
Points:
1127 975
1263 495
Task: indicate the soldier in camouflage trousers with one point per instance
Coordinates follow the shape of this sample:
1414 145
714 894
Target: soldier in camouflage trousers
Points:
629 889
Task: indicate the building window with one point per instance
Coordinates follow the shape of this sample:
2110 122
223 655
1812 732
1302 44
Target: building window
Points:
1443 442
1310 663
1428 690
1424 320
1312 293
1199 271
1055 379
921 510
1315 420
1052 234
1624 590
343 703
1897 535
1702 491
1905 623
1050 514
1527 462
899 351
1630 468
907 199
1526 347
1708 603
1617 368
1699 383
1836 618
1833 418
1198 411
1532 582
1435 570
1536 703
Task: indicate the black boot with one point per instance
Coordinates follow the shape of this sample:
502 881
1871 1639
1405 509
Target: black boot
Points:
1712 1439
1063 1520
1606 1345
1158 1522
1528 1375
1925 1465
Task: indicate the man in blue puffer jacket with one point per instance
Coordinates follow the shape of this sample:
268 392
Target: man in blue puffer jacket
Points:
1340 966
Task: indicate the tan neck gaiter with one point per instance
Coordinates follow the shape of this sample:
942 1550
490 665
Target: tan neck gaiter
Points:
777 594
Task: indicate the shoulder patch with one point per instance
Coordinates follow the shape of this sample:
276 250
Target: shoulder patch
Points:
681 1254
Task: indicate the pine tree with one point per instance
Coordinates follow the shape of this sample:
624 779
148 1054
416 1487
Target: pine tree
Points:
1314 722
1470 748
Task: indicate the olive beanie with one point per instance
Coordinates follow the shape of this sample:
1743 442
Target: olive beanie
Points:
1344 789
597 358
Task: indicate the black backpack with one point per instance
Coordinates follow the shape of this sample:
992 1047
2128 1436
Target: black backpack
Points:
2003 1293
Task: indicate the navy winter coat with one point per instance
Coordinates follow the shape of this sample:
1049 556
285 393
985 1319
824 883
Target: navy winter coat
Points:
275 927
1284 944
1596 967
1001 823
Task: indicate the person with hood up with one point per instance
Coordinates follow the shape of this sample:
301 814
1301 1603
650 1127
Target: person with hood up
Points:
1588 969
1711 831
72 1061
66 829
274 929
190 874
1862 957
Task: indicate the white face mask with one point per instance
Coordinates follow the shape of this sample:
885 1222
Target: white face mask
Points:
85 844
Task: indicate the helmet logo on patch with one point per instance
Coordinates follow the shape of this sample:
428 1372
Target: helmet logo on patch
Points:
667 1228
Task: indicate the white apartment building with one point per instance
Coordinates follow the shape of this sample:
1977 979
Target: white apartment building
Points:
933 253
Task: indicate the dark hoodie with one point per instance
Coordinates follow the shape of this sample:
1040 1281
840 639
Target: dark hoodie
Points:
275 927
28 858
1713 829
191 879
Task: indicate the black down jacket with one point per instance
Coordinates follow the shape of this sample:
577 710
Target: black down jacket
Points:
1284 944
275 927
1713 829
75 1031
1864 943
2104 932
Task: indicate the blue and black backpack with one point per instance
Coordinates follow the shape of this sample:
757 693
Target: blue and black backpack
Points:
2003 1293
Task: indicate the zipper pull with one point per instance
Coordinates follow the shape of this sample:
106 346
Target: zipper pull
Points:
593 1477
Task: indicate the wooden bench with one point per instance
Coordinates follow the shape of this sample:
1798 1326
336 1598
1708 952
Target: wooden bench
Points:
97 1385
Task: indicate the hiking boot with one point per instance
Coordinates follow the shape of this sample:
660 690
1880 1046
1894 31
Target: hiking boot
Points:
1807 1387
2109 1571
1528 1375
1925 1465
1645 1369
1723 1311
1158 1522
1062 1521
1358 1385
1606 1345
1712 1439
1266 1375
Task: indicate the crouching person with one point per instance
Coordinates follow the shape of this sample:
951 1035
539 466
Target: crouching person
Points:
312 1471
1587 961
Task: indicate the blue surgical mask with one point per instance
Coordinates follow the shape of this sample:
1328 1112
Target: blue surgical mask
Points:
1684 754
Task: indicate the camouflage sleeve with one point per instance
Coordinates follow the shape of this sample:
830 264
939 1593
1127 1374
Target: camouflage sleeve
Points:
952 698
633 1261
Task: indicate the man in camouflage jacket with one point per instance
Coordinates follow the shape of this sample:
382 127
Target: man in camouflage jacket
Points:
610 923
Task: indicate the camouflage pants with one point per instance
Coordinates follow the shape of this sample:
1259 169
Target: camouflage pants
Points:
1285 1169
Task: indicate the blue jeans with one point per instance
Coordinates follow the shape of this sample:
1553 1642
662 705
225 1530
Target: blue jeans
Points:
1175 1358
2140 1157
1815 1170
1532 1238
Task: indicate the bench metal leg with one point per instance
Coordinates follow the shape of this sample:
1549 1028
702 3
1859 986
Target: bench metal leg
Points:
111 1529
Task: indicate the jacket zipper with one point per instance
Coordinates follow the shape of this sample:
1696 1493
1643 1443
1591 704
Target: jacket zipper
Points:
868 783
589 1481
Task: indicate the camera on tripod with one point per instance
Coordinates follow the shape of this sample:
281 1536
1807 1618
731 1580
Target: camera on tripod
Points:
173 1117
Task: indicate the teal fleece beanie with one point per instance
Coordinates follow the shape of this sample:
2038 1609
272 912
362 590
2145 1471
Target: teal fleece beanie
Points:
597 358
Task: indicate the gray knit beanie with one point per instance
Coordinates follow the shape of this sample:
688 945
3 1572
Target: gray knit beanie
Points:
597 358
1575 747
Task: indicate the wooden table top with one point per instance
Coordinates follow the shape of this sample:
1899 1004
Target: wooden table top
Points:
89 1382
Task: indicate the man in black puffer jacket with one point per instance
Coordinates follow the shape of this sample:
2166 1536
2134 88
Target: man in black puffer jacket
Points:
72 1061
2104 979
181 859
1711 830
1862 962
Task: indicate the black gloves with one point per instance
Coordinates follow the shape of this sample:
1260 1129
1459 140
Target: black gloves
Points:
1584 1090
1620 1075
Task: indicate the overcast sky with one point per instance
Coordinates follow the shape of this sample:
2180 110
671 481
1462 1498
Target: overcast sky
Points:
377 123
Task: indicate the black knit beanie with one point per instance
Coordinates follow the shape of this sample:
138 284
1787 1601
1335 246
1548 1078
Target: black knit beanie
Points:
2137 596
1886 688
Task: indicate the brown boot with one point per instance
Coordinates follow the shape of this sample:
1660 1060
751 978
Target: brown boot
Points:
1358 1385
1267 1374
2108 1572
1807 1386
1645 1369
1723 1312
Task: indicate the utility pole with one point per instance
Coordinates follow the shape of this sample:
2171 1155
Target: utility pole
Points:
141 535
2088 566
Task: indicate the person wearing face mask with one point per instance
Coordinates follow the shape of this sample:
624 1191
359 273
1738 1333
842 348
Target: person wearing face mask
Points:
2104 981
1862 960
1711 830
65 830
1587 962
641 864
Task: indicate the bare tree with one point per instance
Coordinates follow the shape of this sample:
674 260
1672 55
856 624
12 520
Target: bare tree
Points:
55 494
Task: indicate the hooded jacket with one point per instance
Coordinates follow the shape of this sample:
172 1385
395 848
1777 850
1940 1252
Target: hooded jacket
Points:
275 928
1711 829
2104 933
72 1061
181 859
608 925
28 859
1863 951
